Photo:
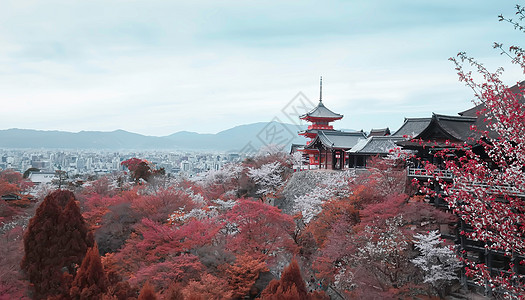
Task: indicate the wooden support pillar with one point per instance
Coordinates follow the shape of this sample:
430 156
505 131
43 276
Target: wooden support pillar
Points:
488 263
463 279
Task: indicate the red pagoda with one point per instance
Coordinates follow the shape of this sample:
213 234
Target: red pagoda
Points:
320 117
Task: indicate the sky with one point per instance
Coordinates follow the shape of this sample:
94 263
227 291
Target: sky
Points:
158 67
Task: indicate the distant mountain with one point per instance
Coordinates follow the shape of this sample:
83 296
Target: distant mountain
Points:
234 139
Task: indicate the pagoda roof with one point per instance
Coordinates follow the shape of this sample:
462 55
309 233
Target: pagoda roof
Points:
321 112
443 130
316 131
412 127
376 145
336 139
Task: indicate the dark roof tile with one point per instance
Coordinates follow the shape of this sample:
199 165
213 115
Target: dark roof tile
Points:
320 111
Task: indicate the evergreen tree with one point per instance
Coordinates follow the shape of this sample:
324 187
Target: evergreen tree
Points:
291 286
91 281
147 292
55 243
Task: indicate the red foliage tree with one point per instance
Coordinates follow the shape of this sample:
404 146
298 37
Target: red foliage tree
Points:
117 288
147 292
139 168
160 241
291 286
8 188
55 243
90 281
181 269
159 206
333 211
132 164
174 292
13 182
96 206
243 273
208 287
11 252
7 211
260 229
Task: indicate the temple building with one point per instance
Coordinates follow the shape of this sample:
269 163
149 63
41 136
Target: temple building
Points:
326 146
428 136
374 146
441 132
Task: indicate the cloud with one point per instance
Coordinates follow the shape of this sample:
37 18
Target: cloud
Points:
158 67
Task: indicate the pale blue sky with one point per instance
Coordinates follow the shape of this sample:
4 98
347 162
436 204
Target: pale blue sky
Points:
157 67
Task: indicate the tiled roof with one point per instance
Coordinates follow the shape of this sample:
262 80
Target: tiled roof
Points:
442 128
337 139
316 131
412 127
457 126
376 145
320 111
296 147
379 132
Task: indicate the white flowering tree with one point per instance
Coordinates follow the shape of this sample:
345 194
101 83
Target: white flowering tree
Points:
223 181
383 249
336 185
297 159
437 261
267 177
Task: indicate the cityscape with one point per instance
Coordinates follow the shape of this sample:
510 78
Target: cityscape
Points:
78 164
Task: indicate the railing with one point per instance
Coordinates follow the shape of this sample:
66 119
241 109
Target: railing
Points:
504 189
421 172
318 126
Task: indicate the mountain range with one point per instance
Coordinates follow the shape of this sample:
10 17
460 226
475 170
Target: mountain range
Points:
234 139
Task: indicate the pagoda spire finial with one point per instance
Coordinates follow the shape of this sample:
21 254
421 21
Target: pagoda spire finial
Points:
321 89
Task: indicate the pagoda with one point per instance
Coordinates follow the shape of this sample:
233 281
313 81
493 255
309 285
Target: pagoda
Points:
320 117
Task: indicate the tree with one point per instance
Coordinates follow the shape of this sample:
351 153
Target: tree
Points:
333 211
11 252
386 250
225 180
291 286
90 281
61 177
116 227
438 262
7 211
258 229
488 191
180 269
208 287
267 177
243 274
55 243
333 186
13 182
141 169
147 292
174 292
